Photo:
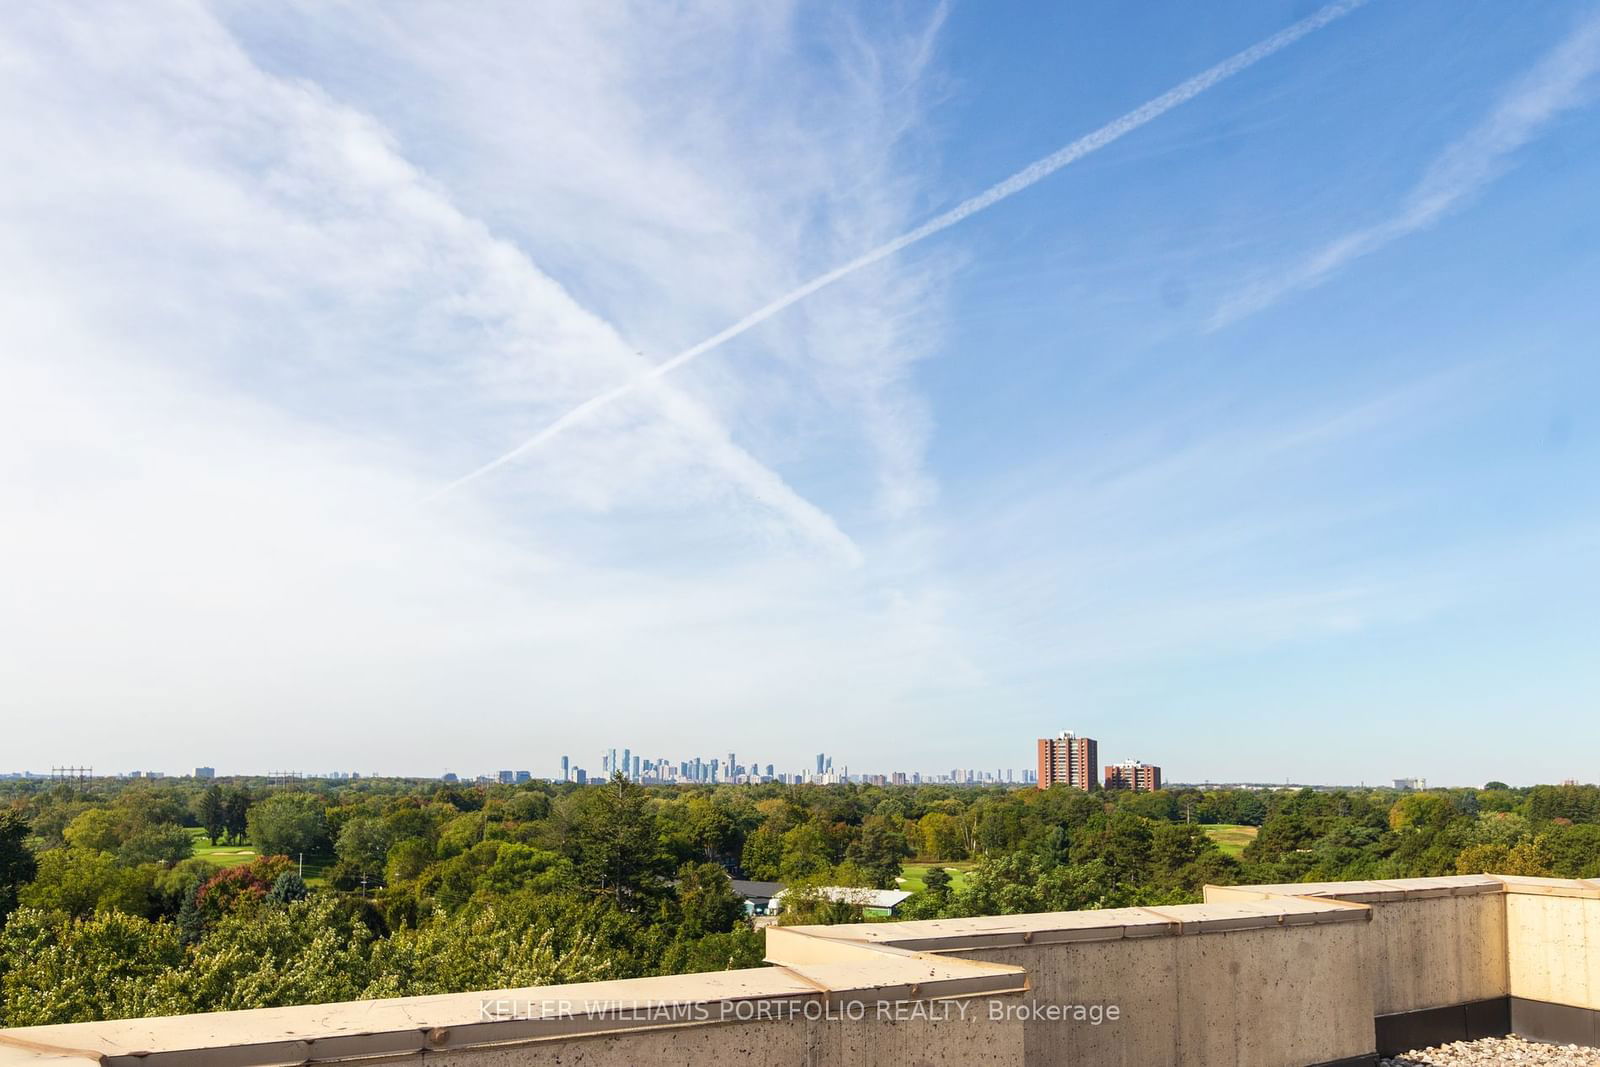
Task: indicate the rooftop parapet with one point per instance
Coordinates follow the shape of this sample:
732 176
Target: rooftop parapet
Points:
1271 976
1259 911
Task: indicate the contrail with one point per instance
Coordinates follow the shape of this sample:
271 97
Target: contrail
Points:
1556 84
1034 172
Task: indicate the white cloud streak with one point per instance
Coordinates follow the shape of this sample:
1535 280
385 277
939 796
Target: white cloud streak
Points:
251 318
1557 84
1028 176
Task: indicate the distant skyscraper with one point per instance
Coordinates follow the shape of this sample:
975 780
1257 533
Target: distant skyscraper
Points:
627 762
1131 774
566 770
820 758
1070 760
636 768
205 772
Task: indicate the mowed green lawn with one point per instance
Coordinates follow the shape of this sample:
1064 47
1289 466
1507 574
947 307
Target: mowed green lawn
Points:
1231 839
223 855
237 855
911 875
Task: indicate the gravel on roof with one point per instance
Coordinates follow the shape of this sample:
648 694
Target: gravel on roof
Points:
1489 1051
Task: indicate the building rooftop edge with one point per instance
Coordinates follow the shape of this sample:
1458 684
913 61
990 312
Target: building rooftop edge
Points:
872 961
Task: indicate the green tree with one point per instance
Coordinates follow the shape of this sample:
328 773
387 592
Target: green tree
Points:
97 829
1579 803
1279 835
1574 850
1126 847
707 903
806 853
1488 858
311 951
289 888
812 902
1173 846
738 948
1423 810
17 864
79 882
407 859
105 966
762 857
213 812
236 814
364 844
522 868
944 836
484 949
288 824
713 830
879 851
191 922
935 896
1054 848
618 850
166 845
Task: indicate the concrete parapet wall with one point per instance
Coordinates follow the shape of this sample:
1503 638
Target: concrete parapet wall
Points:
1258 976
1436 952
829 1043
1553 942
1258 982
1281 997
1432 942
852 1007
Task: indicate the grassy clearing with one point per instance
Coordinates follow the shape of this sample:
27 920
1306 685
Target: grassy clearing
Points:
222 855
1231 839
911 875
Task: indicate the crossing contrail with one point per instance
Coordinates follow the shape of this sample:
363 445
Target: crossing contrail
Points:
1022 179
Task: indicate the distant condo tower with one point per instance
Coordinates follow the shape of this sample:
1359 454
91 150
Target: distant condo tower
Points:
1069 760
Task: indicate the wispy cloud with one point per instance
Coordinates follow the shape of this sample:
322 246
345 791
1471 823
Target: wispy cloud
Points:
256 311
1030 175
1559 83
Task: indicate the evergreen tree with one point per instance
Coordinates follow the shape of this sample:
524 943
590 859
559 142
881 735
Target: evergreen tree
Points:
213 812
289 888
236 814
191 922
17 865
619 853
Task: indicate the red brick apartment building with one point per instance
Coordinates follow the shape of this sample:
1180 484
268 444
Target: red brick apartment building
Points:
1131 774
1070 760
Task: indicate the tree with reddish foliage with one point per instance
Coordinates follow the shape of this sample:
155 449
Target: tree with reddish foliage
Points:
242 886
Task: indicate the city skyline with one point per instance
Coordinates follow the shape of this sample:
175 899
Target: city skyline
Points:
403 388
1068 757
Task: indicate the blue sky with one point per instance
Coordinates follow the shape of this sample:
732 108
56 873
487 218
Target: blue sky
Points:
1258 442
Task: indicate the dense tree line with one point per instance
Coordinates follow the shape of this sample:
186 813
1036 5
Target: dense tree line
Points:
421 887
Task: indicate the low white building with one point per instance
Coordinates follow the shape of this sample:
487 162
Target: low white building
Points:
871 901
